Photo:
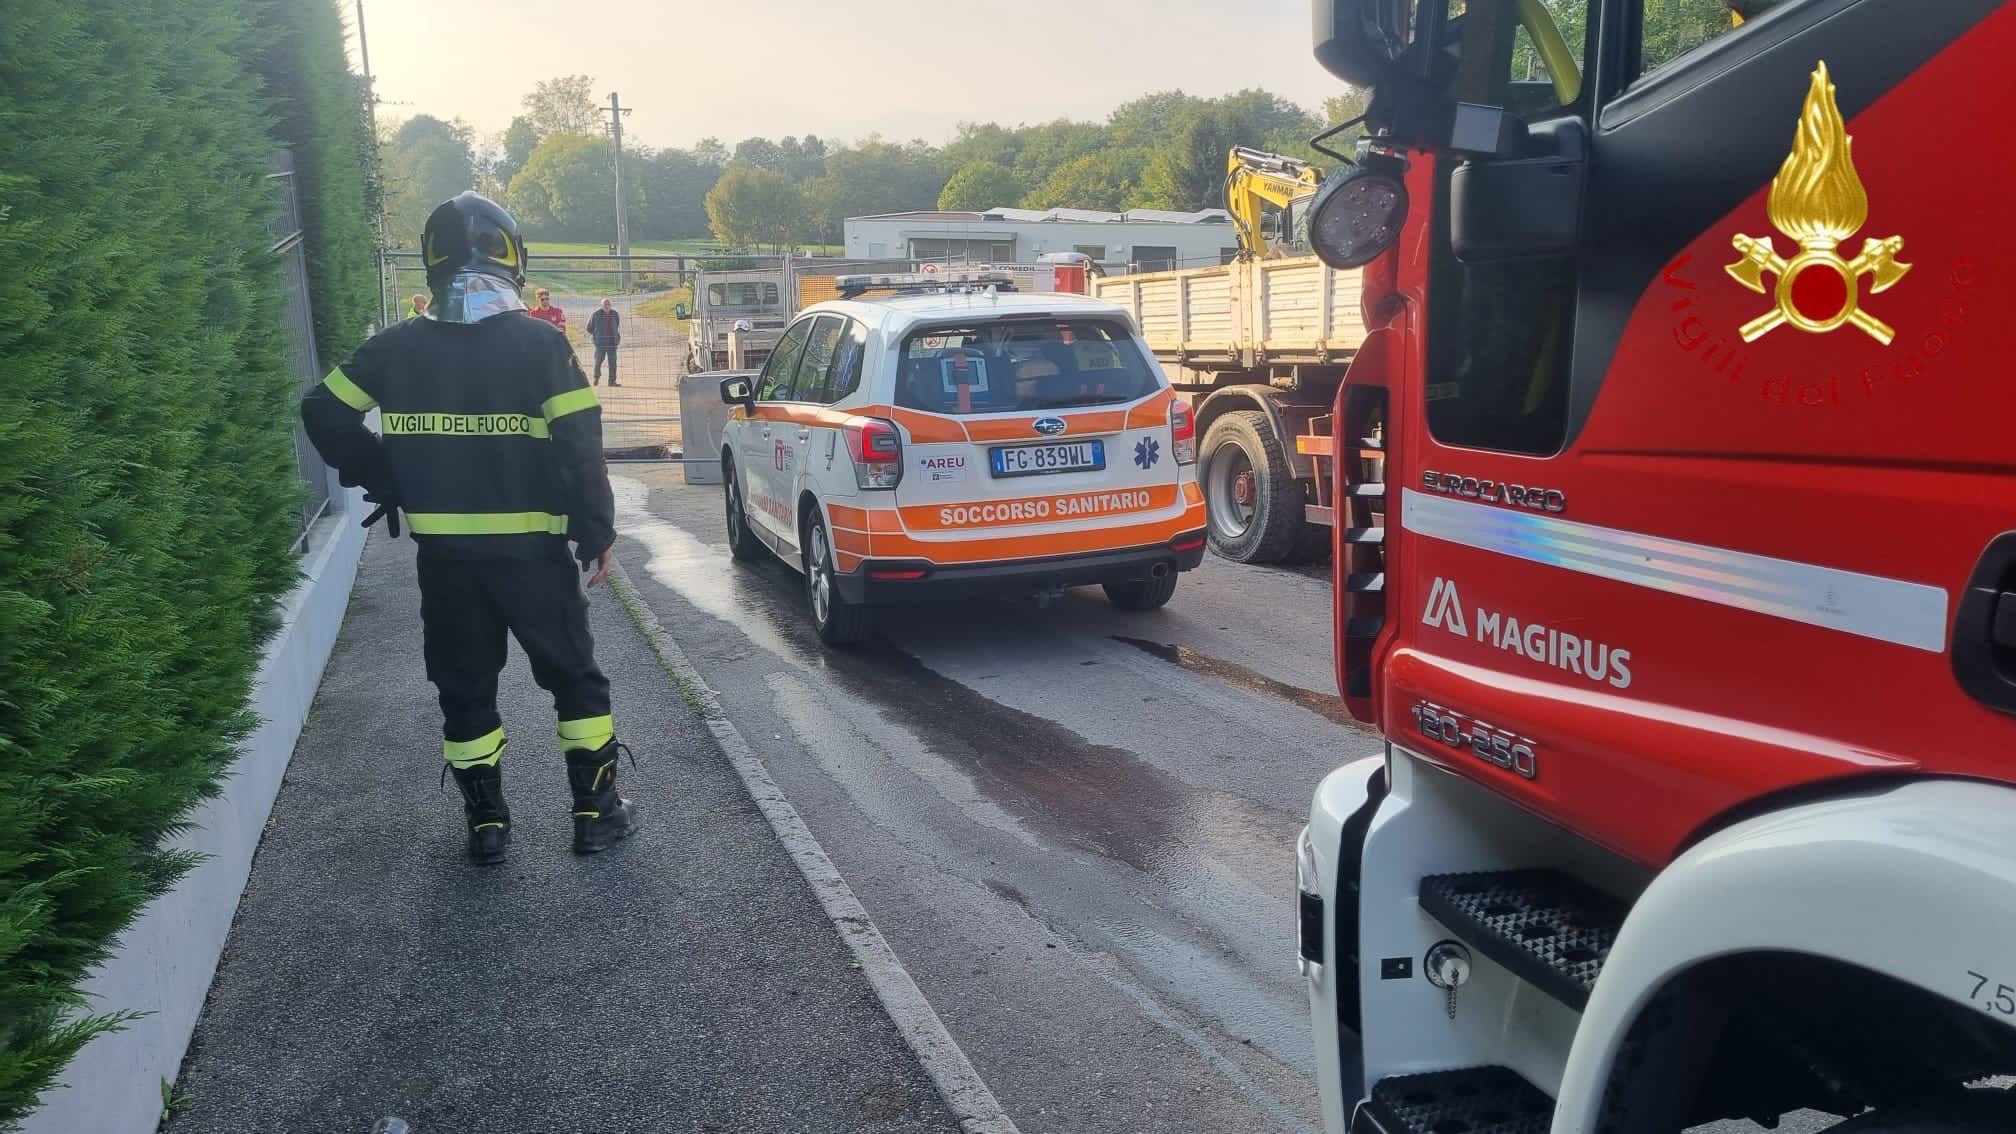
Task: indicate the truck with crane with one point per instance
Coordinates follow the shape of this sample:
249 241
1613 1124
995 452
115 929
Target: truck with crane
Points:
1683 586
1259 345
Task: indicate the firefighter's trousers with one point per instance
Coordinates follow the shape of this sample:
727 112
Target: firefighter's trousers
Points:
466 608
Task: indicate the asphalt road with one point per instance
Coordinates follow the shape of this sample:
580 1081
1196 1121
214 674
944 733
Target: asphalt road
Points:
1072 824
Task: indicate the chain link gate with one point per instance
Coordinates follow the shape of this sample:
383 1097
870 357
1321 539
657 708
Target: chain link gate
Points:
648 294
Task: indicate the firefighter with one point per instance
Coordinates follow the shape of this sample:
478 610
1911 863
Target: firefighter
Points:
492 446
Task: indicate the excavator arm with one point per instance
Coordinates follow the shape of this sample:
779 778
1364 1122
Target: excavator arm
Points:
1256 178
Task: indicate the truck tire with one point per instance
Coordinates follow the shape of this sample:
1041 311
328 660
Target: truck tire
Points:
1242 455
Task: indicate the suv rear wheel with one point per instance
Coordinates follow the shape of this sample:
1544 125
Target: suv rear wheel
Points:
838 621
1142 594
741 541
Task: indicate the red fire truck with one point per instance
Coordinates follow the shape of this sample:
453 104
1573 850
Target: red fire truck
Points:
1681 577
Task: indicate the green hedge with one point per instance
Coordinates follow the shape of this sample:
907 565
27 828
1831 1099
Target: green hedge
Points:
322 117
147 485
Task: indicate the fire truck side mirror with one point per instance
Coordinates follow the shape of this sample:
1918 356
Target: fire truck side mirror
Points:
1359 41
1522 207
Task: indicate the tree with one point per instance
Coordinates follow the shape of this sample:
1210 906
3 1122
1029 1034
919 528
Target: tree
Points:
1344 107
427 161
565 105
676 184
710 151
752 206
878 177
567 191
759 153
980 186
980 141
1187 170
802 160
515 147
1050 145
1110 181
1150 118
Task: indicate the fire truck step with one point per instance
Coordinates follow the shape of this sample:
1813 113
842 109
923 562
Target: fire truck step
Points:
1365 535
1365 582
1549 929
1473 1100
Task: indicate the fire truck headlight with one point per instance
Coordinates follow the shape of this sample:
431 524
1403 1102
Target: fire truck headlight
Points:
1358 212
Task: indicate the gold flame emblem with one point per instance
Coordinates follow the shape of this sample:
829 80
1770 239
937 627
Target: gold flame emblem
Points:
1818 201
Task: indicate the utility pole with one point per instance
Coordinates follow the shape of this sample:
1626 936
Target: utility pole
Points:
616 112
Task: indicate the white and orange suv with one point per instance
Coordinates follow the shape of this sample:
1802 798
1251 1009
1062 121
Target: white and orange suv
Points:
955 438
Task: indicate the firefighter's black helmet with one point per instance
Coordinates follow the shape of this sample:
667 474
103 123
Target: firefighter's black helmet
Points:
472 233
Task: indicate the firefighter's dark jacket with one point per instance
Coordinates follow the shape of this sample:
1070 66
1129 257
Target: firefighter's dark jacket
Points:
492 441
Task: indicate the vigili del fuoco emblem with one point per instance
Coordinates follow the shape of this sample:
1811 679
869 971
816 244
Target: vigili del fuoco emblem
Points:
1818 201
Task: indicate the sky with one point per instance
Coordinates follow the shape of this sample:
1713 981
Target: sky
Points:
841 69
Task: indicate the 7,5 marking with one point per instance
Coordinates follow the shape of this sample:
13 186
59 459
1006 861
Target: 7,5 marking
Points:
1998 1001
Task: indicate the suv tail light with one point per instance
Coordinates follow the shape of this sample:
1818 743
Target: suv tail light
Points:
877 450
1182 432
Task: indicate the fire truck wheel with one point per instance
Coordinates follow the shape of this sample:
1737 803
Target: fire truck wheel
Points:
1985 1111
1142 594
1251 496
741 541
839 622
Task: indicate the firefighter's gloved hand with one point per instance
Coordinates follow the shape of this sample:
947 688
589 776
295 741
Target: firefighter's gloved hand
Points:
387 510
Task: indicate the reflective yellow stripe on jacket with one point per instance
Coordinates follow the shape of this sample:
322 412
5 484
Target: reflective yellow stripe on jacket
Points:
573 401
486 523
466 424
348 392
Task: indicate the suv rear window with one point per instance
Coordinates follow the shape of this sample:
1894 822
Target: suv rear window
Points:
1022 364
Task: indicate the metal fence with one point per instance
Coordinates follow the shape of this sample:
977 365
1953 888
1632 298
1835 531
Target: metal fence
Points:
638 380
288 247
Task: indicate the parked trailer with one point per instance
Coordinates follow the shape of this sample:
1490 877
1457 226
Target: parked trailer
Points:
1261 346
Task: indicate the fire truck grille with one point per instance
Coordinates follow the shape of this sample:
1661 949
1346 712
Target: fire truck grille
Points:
1549 929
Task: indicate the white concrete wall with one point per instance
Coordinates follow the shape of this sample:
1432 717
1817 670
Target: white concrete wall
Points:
166 958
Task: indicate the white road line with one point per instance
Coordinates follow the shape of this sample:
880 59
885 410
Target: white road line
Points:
971 1102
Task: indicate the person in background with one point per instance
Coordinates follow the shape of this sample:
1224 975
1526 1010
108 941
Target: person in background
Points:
605 327
544 309
492 446
419 306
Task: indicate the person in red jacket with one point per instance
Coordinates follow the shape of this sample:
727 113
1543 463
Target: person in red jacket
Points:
545 310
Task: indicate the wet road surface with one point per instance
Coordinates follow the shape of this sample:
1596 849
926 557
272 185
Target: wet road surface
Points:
1074 825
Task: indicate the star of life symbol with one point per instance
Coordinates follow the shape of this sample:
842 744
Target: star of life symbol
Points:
1818 201
1147 451
1445 609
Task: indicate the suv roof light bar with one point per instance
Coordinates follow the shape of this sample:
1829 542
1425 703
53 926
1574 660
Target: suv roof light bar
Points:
901 283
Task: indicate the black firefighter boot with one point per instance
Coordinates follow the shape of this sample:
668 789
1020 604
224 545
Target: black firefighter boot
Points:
482 790
601 817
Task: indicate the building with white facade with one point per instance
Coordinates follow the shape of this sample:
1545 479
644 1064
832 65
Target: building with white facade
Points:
1139 240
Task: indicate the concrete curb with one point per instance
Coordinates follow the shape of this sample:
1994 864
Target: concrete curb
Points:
960 1085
